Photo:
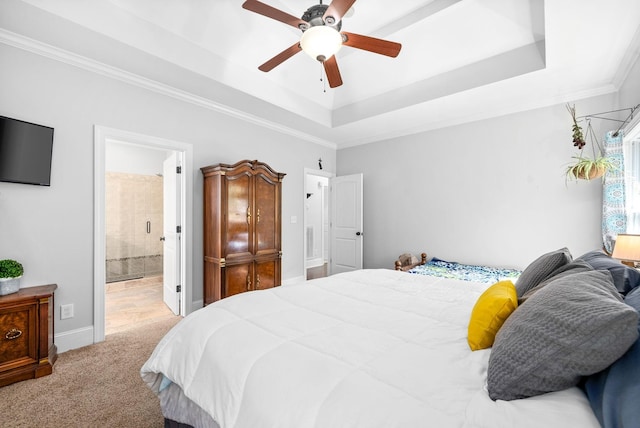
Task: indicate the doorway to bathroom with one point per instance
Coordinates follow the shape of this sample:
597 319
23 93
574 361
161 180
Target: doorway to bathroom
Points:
316 224
134 235
142 208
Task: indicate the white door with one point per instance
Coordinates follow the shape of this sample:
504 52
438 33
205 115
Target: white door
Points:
346 223
171 215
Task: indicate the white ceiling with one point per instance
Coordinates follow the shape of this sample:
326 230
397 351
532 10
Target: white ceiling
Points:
461 60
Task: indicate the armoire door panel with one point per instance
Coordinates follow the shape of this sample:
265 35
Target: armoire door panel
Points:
238 279
267 201
238 214
267 274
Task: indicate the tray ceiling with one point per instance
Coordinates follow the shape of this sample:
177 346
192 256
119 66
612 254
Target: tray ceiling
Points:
461 60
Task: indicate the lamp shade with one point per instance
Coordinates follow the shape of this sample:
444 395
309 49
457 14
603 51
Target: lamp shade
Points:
321 42
627 247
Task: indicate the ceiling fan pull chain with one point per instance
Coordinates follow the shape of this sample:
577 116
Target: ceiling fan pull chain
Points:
324 81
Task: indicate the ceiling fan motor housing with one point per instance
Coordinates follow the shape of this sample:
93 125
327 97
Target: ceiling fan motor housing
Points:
314 15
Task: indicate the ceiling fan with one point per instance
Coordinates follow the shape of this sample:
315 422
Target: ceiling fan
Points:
321 36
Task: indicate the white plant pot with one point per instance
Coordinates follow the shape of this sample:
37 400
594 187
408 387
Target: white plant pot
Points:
9 285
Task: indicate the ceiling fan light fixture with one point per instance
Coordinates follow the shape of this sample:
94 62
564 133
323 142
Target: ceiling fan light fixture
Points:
321 42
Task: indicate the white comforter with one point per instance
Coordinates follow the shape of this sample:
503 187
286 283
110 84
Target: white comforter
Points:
372 348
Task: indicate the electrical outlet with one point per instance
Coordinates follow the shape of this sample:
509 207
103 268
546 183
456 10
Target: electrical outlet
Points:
66 311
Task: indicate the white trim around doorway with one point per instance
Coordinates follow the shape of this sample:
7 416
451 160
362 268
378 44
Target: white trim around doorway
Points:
103 135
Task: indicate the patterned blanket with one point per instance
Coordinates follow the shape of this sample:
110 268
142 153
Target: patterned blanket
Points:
484 274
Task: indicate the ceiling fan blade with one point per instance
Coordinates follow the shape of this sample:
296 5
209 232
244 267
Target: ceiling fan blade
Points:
332 72
371 44
337 9
280 58
273 13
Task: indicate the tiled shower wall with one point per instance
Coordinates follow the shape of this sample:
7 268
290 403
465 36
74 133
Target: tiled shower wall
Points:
133 210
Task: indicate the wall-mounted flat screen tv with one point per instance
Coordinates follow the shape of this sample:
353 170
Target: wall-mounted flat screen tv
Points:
25 152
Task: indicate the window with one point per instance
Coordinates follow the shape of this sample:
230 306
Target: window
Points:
631 147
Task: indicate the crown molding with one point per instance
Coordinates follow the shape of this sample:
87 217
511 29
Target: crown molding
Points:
43 49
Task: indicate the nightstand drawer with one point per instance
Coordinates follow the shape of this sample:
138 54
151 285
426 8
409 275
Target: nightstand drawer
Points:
27 350
18 335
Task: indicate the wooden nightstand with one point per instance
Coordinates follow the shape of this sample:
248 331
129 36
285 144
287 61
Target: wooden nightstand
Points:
27 350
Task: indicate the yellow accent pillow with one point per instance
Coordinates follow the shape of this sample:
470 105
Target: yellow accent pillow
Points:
491 310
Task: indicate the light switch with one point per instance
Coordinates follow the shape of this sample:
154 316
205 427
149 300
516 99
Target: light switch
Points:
294 219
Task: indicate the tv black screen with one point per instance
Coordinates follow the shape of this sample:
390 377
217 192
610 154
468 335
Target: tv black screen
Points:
25 152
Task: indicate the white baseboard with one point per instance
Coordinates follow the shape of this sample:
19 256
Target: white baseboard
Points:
74 339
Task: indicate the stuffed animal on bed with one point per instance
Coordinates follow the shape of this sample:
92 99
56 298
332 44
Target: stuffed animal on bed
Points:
407 259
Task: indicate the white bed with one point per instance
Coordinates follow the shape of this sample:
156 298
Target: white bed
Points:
371 348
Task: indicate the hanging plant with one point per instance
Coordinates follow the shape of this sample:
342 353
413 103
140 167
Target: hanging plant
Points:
578 136
584 167
589 169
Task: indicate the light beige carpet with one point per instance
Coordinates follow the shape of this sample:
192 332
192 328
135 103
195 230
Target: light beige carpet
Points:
94 386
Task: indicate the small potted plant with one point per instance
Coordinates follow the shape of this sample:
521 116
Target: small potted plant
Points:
584 167
10 273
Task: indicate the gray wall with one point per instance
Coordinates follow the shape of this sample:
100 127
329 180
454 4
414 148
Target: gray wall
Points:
490 192
50 229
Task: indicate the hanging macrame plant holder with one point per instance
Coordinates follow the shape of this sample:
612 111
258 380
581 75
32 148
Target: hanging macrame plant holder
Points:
586 168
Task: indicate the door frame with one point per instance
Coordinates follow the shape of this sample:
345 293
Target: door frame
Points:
103 135
321 173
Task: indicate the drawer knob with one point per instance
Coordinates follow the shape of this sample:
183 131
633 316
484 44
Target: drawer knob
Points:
14 333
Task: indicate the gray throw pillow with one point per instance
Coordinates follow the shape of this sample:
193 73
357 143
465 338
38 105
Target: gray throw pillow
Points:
625 278
568 269
575 326
541 268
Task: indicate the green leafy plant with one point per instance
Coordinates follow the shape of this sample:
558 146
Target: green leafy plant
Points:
585 167
588 169
10 269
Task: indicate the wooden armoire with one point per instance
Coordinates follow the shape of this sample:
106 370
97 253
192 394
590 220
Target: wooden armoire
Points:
242 228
